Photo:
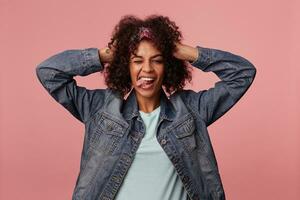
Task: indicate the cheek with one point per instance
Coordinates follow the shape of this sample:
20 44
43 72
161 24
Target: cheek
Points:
161 73
133 73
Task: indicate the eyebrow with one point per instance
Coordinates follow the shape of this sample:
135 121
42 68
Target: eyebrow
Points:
137 56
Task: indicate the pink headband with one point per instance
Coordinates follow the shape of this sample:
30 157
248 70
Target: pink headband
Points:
145 32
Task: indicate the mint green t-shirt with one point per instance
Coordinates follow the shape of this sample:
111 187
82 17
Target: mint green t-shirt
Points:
151 175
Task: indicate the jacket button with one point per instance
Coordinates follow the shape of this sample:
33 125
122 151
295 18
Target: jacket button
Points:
127 158
185 178
109 127
116 179
163 141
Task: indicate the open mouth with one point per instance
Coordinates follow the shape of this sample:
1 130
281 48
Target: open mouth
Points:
145 82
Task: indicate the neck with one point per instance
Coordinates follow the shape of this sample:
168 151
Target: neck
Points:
148 104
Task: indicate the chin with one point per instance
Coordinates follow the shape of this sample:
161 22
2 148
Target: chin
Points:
147 93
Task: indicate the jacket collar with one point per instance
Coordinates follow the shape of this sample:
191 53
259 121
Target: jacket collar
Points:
131 109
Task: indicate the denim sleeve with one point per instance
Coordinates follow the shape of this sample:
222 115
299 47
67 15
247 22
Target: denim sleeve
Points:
56 76
236 74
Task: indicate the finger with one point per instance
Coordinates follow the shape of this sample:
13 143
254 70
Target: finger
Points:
107 50
114 44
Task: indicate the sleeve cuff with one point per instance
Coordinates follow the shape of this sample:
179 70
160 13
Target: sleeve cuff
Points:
92 59
203 58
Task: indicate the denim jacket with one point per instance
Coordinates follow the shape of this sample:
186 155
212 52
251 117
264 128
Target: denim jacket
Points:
114 127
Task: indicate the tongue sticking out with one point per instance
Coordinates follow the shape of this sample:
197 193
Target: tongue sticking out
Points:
143 83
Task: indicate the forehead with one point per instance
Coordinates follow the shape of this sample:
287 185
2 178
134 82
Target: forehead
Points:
146 49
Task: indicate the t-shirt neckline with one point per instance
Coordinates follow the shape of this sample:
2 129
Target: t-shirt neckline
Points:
150 113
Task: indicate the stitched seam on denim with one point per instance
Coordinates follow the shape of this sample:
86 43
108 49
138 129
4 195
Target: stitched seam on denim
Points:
208 61
86 60
179 122
107 93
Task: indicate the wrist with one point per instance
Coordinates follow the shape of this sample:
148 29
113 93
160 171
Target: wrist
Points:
102 55
187 53
191 54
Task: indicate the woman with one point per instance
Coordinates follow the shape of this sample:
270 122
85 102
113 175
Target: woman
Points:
148 145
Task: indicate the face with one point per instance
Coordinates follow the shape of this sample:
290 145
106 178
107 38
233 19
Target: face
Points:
147 71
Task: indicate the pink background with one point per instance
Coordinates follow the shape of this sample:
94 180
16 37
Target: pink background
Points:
256 143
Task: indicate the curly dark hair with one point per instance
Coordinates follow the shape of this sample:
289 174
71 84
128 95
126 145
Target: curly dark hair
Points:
166 33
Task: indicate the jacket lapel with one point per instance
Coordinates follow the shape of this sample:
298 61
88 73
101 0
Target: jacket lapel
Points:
131 109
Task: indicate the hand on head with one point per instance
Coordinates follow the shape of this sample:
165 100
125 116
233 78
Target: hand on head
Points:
107 54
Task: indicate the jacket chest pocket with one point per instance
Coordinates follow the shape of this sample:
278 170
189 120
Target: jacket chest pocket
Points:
106 135
185 134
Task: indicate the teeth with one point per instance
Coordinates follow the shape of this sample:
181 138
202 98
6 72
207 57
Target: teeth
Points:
146 78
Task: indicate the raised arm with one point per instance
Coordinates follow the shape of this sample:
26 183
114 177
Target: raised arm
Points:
236 74
56 75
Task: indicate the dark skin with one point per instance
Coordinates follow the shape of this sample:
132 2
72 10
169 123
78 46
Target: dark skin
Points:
148 104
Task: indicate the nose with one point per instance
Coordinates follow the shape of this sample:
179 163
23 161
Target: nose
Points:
147 67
